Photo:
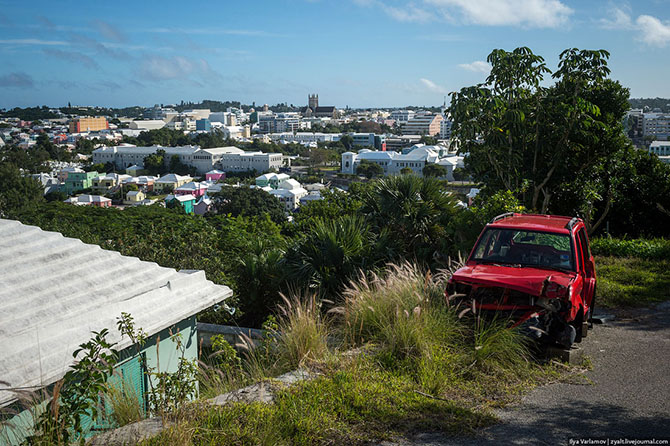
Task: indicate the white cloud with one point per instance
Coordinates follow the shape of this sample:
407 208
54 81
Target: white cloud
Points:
619 19
168 68
478 66
432 86
654 32
406 13
528 13
32 42
650 30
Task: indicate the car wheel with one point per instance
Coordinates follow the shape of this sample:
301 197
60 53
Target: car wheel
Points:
592 308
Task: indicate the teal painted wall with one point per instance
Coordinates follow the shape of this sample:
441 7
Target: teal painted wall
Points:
161 355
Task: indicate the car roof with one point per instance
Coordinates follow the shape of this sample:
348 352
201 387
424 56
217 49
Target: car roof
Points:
535 222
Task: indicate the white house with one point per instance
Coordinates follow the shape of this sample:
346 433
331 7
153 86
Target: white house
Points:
289 193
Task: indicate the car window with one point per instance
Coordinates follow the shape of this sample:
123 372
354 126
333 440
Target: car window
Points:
525 248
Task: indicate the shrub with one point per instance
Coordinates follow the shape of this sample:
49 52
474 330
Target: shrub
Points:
651 249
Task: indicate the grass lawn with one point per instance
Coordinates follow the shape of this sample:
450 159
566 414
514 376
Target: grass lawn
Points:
630 281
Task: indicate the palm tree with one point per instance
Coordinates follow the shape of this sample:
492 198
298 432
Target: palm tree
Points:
332 252
415 211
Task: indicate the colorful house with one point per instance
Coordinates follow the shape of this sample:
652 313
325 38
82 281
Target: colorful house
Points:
134 197
215 175
170 182
186 201
192 188
77 181
134 170
67 289
106 183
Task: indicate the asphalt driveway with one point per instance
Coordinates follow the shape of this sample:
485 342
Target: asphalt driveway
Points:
629 397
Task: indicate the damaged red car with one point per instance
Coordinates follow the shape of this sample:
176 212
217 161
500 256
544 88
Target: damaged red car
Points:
535 269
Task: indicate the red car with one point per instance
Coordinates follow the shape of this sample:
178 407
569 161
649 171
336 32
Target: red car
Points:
535 269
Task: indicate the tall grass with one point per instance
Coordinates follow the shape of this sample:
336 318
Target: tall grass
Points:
402 309
124 402
303 331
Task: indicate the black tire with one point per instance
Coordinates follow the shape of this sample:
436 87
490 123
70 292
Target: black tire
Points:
592 309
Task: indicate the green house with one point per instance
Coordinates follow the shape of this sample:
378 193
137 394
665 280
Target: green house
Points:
59 290
185 201
77 181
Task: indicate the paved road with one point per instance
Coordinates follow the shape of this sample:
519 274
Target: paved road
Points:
629 398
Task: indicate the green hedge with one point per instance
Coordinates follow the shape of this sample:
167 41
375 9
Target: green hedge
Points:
652 249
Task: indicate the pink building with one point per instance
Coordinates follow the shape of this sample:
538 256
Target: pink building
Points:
193 188
215 175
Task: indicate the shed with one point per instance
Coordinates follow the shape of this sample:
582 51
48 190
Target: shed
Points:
54 291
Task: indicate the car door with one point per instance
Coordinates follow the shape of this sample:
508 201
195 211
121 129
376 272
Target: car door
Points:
589 270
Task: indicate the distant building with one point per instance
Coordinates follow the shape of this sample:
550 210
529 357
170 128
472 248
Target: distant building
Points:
313 101
314 109
227 159
402 116
369 140
660 148
397 143
656 125
147 124
392 162
445 129
203 124
88 124
424 123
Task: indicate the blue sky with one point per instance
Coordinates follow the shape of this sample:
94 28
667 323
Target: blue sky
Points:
360 53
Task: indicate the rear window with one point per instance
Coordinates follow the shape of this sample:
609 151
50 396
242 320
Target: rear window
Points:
525 248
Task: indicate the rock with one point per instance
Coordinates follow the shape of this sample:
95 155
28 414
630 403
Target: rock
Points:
129 434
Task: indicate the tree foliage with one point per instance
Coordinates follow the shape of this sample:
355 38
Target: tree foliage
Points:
248 202
535 140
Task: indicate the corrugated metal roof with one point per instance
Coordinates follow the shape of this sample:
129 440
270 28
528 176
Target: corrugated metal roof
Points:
55 290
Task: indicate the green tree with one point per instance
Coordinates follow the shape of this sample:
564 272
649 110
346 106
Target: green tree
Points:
248 202
406 171
532 139
155 163
17 192
369 169
434 170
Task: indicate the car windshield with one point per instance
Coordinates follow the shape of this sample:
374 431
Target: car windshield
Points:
525 248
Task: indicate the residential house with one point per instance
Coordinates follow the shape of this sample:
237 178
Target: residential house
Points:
107 183
215 175
185 201
56 290
271 179
202 206
76 181
289 194
170 182
90 200
134 197
192 188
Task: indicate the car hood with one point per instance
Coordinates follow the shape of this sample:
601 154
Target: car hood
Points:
526 279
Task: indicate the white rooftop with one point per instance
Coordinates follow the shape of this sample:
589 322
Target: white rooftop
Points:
55 290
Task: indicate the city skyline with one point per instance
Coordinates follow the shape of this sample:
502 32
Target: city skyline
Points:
357 53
